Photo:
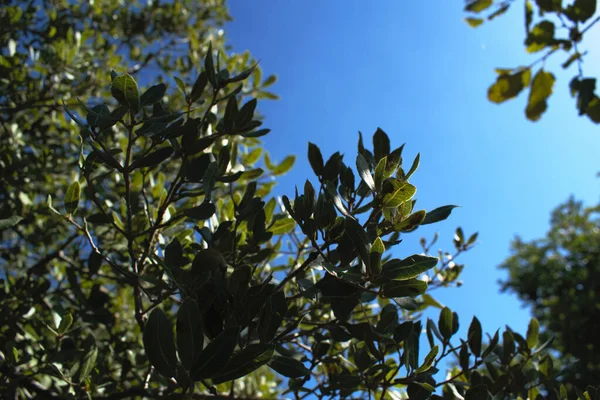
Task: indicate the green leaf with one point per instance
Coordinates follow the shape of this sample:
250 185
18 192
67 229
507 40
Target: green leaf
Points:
315 159
246 361
365 172
407 288
540 37
409 268
125 90
209 67
381 144
508 86
180 85
272 316
541 89
216 355
284 166
445 323
65 324
429 359
282 226
414 166
336 199
88 361
359 237
243 75
9 222
581 10
152 159
491 345
475 337
199 86
190 337
474 22
153 95
478 392
288 367
201 212
159 343
439 214
477 6
533 331
402 192
412 222
72 197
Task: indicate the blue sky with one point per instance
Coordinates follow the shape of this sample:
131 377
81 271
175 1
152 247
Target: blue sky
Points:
421 74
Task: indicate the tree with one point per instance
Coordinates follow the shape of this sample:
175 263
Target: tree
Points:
161 266
557 276
551 27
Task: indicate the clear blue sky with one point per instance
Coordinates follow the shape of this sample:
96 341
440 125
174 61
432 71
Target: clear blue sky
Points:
421 74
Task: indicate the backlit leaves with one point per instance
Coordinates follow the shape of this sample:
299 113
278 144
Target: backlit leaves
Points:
72 197
125 90
541 89
508 85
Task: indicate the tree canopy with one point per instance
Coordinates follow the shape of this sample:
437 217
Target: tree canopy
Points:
145 256
558 277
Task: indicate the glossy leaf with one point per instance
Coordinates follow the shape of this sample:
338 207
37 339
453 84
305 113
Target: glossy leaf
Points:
429 359
407 288
402 192
152 159
409 268
159 343
272 316
364 172
88 361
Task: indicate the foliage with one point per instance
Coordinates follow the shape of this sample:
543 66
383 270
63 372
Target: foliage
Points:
558 277
551 27
144 256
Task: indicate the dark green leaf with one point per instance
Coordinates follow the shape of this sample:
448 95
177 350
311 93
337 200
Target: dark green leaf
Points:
581 10
88 361
201 212
243 75
336 199
216 355
475 337
288 367
381 144
152 159
65 324
209 67
10 222
159 343
408 288
365 172
315 158
445 323
272 316
246 361
409 268
199 86
439 214
72 197
190 337
478 392
359 237
491 345
153 95
414 166
125 90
